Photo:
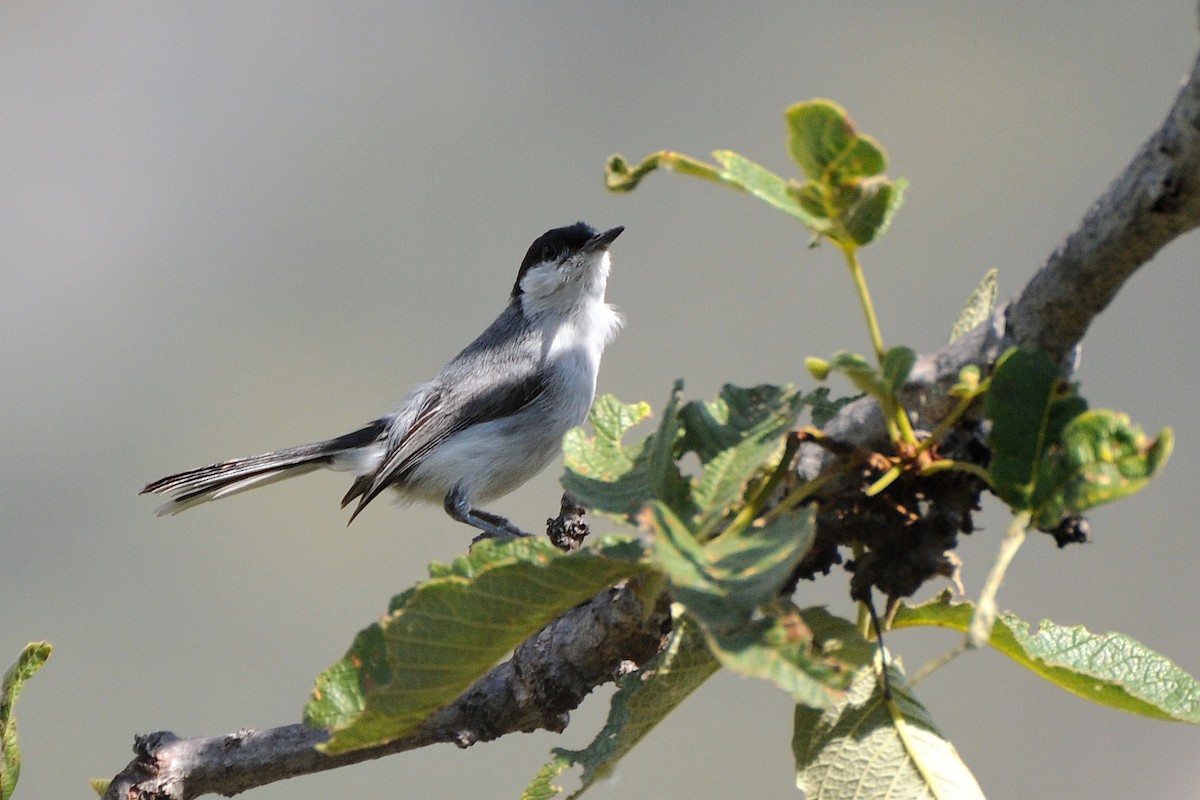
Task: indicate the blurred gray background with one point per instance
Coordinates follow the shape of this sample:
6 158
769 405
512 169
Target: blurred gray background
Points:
229 227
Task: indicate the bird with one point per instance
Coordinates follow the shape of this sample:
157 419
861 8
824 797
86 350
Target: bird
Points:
490 420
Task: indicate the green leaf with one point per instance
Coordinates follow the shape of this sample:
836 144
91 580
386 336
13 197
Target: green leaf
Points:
811 197
847 198
846 187
870 215
897 364
602 472
667 484
825 143
979 306
442 635
725 580
864 746
861 373
809 653
731 586
29 662
736 171
1110 669
737 415
608 476
643 700
1102 458
1053 457
735 437
760 182
1029 404
542 787
822 409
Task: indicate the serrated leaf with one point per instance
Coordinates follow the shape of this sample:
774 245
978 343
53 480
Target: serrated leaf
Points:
864 746
823 140
822 409
738 413
27 664
724 581
603 472
808 653
442 635
667 484
1111 669
730 585
643 700
734 437
979 306
1102 457
780 647
542 787
1029 403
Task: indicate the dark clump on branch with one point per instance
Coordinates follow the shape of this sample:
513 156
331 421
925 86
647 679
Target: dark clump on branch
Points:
904 535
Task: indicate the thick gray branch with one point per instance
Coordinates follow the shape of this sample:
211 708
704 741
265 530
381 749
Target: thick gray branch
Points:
1153 201
547 676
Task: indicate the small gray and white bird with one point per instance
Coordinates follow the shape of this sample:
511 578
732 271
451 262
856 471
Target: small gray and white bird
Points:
489 421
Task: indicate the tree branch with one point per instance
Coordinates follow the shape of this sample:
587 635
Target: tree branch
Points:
1154 200
548 675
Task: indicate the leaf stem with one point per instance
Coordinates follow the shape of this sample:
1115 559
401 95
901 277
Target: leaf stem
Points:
984 618
944 464
798 496
850 252
928 669
863 622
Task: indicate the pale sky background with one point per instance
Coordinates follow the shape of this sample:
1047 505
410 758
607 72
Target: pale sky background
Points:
230 227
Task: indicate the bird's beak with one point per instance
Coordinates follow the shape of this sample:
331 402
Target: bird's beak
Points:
601 241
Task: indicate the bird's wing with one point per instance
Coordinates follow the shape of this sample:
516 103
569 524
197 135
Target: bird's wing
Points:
446 409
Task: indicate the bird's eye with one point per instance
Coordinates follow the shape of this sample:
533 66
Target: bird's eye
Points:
549 252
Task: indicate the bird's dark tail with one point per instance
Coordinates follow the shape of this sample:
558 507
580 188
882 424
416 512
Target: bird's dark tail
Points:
190 488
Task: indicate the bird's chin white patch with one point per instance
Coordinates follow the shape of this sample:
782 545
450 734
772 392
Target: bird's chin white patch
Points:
543 281
565 289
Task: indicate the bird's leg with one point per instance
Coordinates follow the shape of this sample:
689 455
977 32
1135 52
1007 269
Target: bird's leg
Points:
493 526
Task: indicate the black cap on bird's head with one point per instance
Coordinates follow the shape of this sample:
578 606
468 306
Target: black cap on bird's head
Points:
558 244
